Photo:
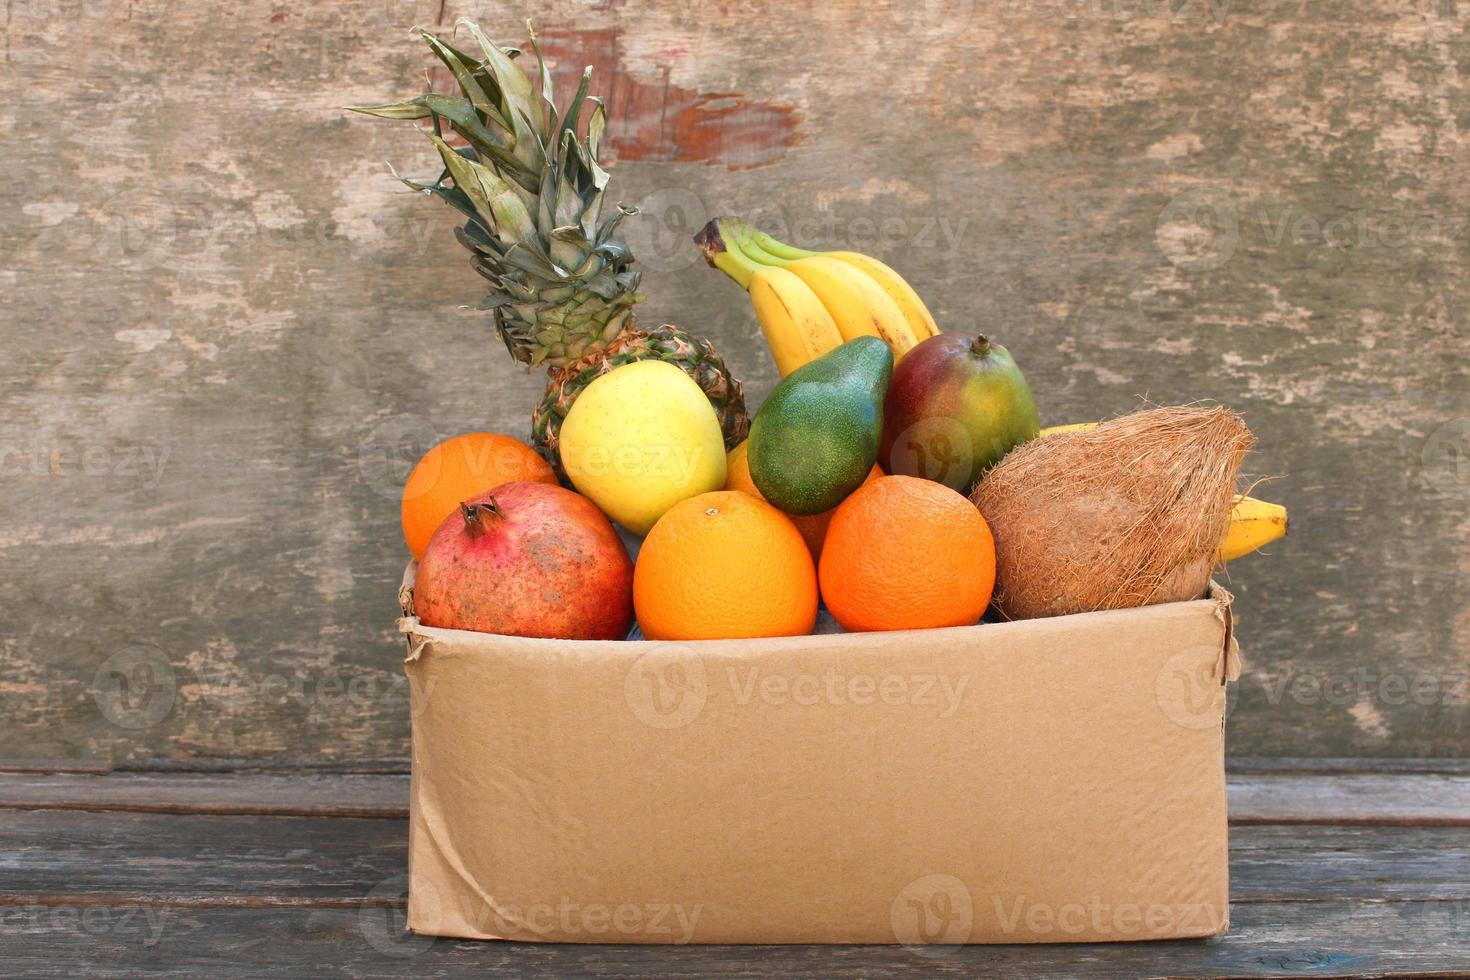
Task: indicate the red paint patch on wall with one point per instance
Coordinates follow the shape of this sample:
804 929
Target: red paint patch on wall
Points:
662 122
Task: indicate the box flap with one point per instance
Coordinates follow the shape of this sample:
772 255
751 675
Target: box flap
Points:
1225 605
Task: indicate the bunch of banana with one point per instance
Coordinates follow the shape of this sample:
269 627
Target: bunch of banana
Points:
810 302
1253 523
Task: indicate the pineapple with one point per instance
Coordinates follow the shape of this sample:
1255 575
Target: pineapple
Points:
528 182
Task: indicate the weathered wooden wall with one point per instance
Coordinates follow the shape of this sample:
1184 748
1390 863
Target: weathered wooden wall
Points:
227 332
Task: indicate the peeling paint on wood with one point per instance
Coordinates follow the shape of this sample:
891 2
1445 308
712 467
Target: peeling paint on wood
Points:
660 122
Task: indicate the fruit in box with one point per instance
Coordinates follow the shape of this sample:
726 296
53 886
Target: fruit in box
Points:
906 554
724 565
956 405
530 186
527 559
458 469
639 440
816 437
813 527
528 181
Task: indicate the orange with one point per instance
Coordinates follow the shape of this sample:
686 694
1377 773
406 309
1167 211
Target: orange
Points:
813 527
458 469
907 554
721 566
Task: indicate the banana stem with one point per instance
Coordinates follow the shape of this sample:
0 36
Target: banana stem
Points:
720 242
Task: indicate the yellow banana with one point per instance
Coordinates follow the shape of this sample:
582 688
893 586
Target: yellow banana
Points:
797 326
1055 430
862 296
914 311
1253 523
922 323
858 305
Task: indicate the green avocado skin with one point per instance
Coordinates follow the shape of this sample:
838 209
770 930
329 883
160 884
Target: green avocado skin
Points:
816 437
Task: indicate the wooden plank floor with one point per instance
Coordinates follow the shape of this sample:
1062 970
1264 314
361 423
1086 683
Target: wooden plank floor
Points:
1335 873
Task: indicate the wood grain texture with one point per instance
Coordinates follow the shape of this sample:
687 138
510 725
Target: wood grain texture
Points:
1327 939
228 333
348 795
210 859
1370 799
176 894
1349 798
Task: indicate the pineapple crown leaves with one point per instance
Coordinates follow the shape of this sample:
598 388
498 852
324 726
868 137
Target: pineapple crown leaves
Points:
530 186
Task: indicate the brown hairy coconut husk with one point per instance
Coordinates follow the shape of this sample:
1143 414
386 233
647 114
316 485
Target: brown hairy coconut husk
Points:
1129 513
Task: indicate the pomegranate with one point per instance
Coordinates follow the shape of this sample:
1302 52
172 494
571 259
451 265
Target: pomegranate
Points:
527 559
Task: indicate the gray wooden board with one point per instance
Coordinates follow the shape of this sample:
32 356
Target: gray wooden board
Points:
1363 765
1348 797
110 892
1255 797
1326 939
197 859
228 332
350 794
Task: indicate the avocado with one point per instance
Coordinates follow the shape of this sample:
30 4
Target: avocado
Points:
815 439
957 404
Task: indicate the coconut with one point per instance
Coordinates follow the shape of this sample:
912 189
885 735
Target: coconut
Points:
1129 513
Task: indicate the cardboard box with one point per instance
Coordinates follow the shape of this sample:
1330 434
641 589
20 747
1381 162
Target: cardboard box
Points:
1057 780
